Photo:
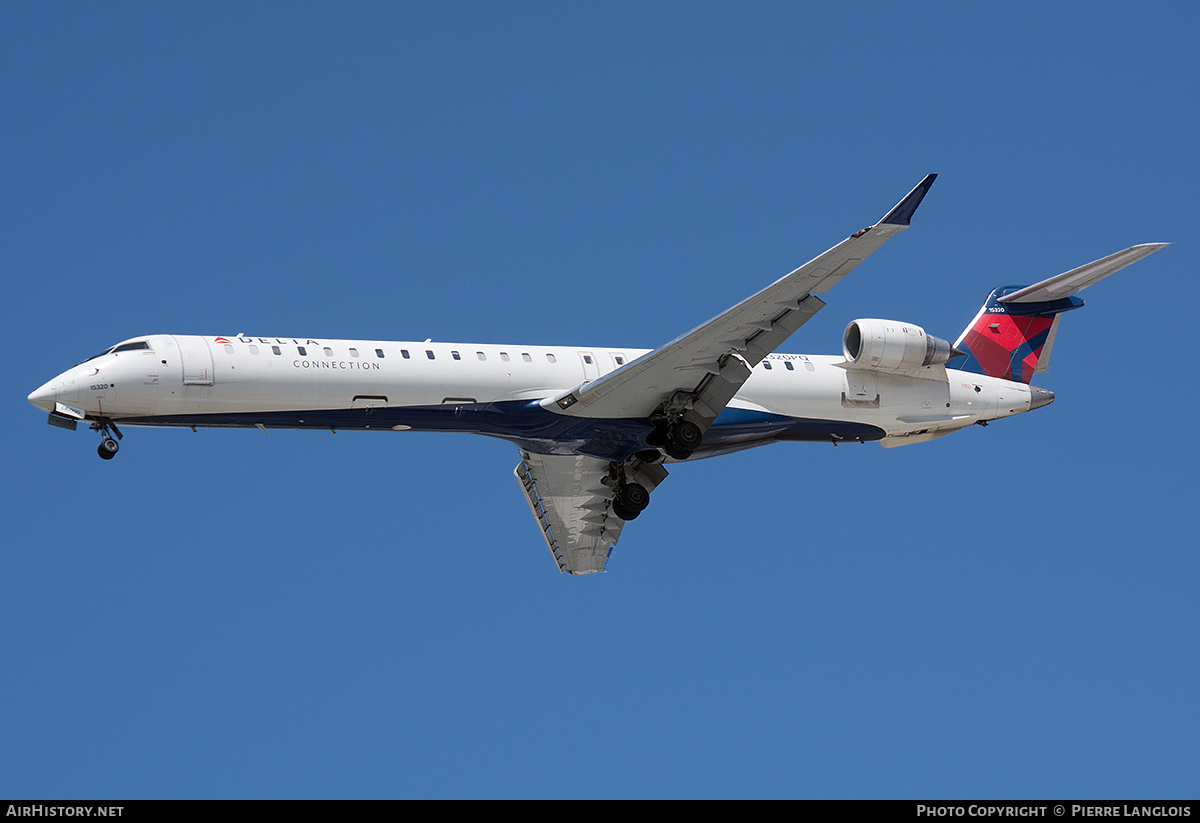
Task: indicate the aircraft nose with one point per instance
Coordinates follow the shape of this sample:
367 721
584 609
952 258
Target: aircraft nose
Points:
44 397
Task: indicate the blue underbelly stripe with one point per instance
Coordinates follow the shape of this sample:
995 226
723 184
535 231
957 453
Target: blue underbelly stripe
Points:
532 427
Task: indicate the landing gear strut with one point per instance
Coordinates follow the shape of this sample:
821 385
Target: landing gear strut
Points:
109 445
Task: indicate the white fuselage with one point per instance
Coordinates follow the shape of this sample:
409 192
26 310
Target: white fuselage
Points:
504 391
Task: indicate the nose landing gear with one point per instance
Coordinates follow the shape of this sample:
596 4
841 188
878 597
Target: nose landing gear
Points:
108 448
109 445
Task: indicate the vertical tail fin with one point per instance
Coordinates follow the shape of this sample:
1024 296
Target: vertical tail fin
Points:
1012 340
1012 335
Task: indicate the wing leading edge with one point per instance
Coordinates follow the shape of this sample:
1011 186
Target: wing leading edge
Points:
704 368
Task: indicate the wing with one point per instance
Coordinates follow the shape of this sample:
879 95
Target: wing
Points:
571 496
571 499
702 370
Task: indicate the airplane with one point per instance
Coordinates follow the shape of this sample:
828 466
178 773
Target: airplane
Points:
596 425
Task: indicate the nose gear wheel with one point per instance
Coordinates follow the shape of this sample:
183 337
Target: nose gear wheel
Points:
110 444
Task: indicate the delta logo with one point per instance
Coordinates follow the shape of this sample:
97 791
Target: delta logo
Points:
239 338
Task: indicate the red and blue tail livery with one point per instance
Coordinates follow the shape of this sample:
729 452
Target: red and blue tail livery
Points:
1012 335
1012 342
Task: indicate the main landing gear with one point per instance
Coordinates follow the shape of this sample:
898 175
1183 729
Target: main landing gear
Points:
110 444
678 439
630 501
632 481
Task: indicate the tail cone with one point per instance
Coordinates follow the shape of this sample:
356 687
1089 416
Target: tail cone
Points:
1039 397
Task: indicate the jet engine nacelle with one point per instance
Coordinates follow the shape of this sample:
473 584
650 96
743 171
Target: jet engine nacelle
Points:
888 345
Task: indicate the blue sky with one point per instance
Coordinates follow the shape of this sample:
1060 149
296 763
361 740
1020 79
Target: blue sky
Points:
1009 612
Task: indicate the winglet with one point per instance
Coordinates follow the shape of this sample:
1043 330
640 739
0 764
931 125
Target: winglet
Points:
902 214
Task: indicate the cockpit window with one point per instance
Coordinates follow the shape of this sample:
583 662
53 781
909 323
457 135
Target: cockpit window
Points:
101 354
138 346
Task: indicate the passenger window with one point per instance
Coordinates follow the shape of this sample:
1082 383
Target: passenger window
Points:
525 356
254 349
276 350
481 355
767 365
587 358
353 352
403 353
328 352
620 360
787 364
379 353
809 366
302 351
456 355
429 354
228 349
504 356
551 357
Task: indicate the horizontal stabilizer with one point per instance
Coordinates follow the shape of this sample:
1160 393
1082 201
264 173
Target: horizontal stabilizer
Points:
1068 283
